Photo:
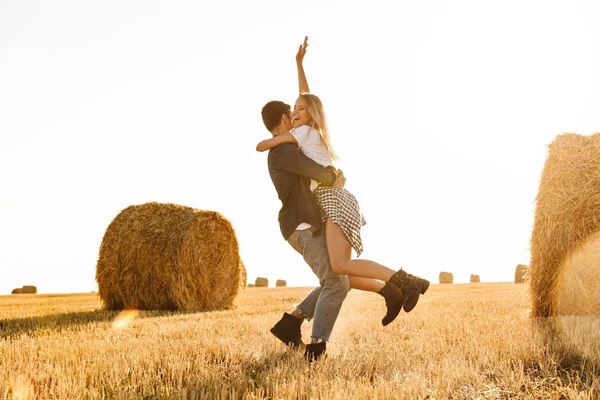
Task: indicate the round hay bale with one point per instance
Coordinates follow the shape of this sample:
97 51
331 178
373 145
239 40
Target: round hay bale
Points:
29 290
475 278
16 291
165 256
578 283
280 283
446 277
521 273
567 213
243 276
261 282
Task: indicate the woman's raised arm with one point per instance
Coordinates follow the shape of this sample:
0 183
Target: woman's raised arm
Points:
302 82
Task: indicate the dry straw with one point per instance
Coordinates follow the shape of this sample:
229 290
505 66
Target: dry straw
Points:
520 273
567 213
243 275
29 290
475 278
17 291
446 277
261 282
167 256
578 283
280 283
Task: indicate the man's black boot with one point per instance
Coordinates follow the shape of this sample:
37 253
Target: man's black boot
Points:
412 286
314 351
394 300
288 330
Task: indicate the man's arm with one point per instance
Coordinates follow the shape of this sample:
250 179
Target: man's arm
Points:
289 157
302 82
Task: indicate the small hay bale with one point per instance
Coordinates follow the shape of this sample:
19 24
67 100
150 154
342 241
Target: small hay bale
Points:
168 257
567 213
520 273
250 285
280 283
17 291
475 278
261 282
29 290
446 277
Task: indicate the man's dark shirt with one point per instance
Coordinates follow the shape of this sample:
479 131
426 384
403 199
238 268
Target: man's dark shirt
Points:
291 172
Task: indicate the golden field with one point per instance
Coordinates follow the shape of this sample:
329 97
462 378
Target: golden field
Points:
462 341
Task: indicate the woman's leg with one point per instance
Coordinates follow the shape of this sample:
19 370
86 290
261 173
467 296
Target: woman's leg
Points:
340 252
366 284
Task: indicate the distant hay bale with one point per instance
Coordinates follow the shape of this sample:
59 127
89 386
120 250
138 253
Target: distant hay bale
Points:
520 273
567 215
475 278
16 291
446 277
29 290
251 285
280 283
261 282
165 256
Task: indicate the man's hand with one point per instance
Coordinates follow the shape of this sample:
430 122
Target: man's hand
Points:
340 180
302 51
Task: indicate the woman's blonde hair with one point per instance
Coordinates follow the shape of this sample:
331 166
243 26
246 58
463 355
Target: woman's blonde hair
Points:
319 121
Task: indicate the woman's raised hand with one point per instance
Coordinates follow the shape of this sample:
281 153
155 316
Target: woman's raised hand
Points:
302 51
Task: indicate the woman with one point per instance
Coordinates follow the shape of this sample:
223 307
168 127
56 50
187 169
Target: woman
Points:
340 210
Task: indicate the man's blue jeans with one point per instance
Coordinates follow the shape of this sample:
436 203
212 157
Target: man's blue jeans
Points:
325 301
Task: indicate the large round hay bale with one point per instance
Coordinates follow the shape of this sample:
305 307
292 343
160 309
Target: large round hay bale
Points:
261 282
243 276
567 213
446 277
520 273
167 256
16 291
280 283
475 278
578 282
29 290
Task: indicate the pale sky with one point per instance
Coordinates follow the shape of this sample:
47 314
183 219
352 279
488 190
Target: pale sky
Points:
441 112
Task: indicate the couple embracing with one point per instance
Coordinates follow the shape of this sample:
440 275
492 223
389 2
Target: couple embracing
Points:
322 221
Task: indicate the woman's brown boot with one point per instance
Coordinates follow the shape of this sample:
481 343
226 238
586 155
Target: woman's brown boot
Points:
394 300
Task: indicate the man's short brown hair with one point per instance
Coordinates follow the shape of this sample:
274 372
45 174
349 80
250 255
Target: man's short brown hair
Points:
272 112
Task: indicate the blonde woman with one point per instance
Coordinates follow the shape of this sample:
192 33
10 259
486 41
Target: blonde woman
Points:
340 208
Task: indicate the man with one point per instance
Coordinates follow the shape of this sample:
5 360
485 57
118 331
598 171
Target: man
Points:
301 226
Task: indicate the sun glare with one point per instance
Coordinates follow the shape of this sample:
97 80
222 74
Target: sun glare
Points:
22 389
124 318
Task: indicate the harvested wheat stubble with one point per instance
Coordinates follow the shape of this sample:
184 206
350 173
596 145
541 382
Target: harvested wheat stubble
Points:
475 278
446 277
280 283
261 282
520 273
170 257
17 291
567 214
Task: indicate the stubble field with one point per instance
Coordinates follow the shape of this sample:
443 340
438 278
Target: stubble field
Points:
465 341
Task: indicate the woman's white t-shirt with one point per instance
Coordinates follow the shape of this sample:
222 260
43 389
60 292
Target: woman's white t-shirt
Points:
311 145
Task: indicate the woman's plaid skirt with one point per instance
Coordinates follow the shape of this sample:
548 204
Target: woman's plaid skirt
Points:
341 206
